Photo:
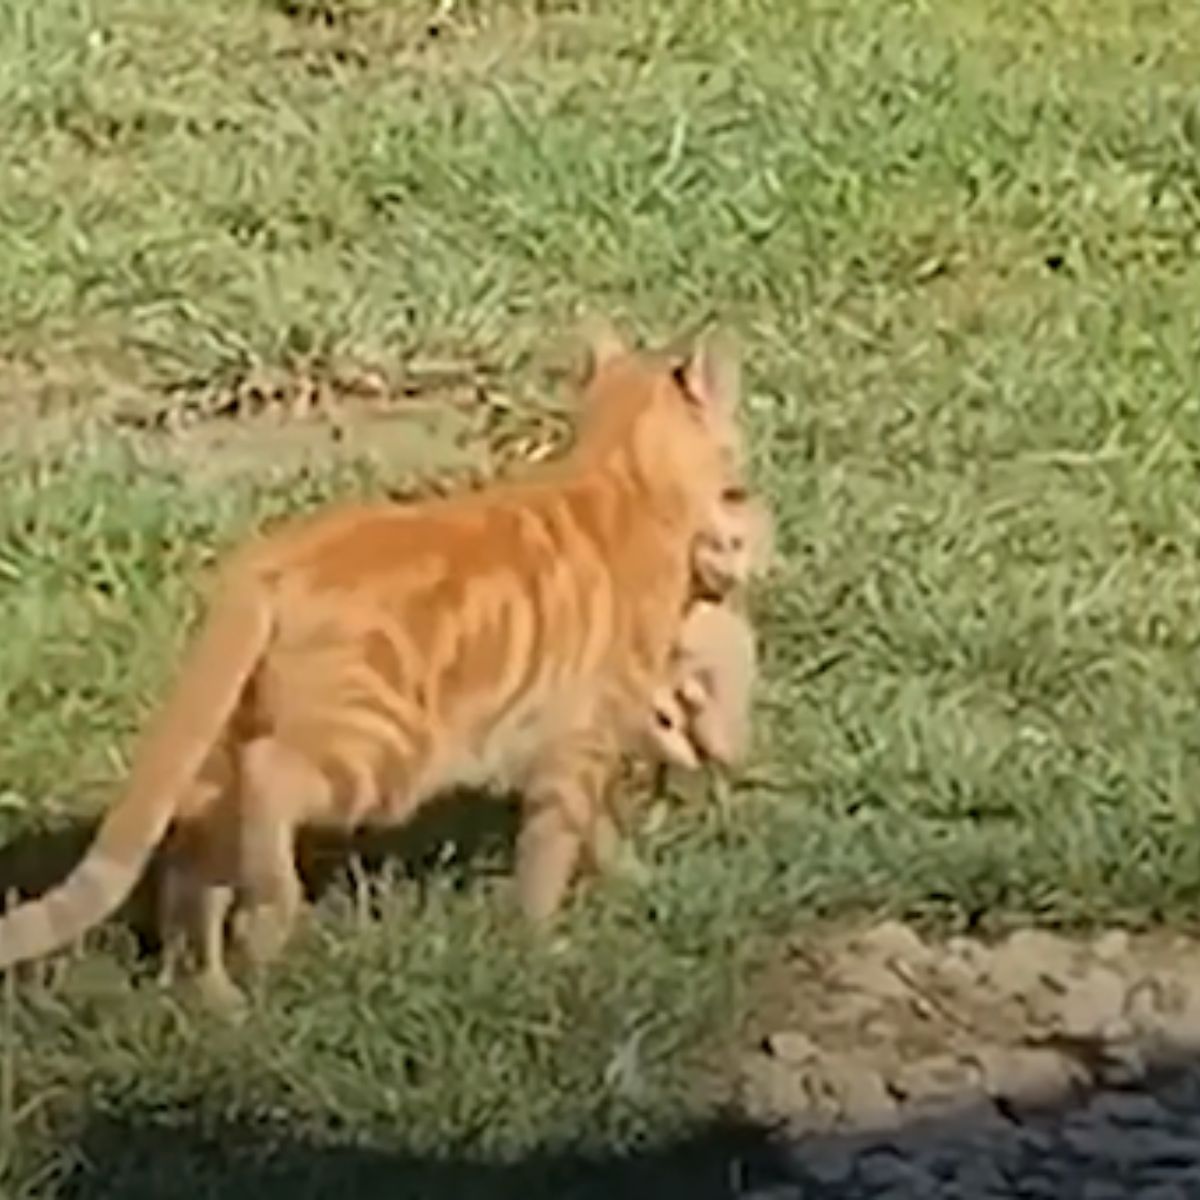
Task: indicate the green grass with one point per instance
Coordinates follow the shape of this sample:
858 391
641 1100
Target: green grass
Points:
959 241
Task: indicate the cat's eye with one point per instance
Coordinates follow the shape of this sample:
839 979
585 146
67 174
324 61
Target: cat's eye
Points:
679 376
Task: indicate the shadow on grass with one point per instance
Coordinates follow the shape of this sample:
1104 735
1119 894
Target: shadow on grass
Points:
1135 1141
461 835
36 860
137 1161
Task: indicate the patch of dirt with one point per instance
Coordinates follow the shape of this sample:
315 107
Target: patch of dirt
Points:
1035 1066
309 414
430 425
329 37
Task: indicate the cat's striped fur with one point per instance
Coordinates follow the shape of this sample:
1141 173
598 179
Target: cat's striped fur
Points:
356 662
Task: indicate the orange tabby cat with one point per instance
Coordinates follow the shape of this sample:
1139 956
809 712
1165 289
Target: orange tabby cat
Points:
356 662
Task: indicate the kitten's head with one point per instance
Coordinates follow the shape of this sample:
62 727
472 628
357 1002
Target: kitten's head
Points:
668 737
735 546
693 724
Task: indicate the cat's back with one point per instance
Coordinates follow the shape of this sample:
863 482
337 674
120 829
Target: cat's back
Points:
349 543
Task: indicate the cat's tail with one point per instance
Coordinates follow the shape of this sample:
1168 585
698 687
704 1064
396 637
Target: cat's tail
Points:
166 764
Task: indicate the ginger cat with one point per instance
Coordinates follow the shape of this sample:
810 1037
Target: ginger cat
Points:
702 712
355 662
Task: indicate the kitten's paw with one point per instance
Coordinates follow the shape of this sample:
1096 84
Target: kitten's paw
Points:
260 933
628 868
220 995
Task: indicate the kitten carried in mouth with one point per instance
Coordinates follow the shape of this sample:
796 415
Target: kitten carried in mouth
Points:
701 714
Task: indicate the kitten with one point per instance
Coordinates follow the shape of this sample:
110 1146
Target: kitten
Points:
701 713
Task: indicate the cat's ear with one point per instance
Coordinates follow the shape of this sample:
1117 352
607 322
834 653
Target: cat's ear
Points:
600 343
712 374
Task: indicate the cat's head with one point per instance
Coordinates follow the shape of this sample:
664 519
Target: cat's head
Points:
679 413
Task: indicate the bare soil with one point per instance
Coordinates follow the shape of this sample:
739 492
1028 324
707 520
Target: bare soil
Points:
1037 1066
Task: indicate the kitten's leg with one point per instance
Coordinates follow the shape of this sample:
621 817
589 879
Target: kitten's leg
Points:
194 899
611 855
564 813
173 907
548 851
213 904
280 788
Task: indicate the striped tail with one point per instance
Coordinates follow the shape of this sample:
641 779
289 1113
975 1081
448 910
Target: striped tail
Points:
167 761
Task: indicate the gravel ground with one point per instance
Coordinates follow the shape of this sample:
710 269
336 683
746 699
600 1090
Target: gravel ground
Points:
1034 1067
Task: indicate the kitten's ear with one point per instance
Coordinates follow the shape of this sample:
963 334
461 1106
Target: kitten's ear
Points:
600 343
712 374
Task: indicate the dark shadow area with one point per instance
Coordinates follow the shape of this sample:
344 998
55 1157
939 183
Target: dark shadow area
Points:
34 861
1141 1141
1092 1143
461 835
137 1161
39 859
